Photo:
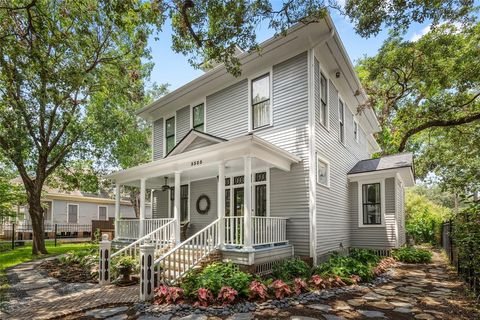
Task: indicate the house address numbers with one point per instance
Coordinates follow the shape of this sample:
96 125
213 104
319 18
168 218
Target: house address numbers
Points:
196 163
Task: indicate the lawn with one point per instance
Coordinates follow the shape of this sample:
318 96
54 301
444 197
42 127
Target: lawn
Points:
23 254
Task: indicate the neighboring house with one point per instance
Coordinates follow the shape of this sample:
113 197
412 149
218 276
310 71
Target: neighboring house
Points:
276 160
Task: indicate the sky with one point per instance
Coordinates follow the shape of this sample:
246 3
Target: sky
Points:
174 69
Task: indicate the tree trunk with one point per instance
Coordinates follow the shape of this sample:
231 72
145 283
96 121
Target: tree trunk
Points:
35 210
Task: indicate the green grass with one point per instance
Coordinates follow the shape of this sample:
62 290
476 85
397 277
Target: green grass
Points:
23 254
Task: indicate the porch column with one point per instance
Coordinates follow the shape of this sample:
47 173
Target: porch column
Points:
117 209
221 203
247 205
176 207
143 183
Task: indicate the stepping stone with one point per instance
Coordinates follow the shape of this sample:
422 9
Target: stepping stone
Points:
385 292
438 313
403 310
105 313
162 317
341 306
241 316
381 305
321 307
401 304
333 317
424 316
356 302
411 289
301 318
388 287
122 316
371 314
373 296
195 317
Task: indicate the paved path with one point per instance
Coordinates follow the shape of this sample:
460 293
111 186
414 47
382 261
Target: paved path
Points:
34 295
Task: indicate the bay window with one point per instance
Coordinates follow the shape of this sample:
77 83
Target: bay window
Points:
371 204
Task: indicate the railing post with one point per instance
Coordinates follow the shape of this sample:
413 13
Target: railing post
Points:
147 274
247 207
176 207
104 269
117 209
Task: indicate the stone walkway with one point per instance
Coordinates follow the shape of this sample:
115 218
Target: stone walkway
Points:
33 295
415 292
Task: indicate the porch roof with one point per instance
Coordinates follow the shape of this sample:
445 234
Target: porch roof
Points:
249 145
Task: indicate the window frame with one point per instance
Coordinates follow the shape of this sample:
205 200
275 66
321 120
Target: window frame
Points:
341 120
78 212
251 79
356 135
360 183
325 161
106 212
193 106
165 119
326 119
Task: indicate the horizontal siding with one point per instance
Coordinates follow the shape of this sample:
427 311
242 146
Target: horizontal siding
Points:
332 210
87 211
198 143
289 190
197 188
161 202
370 237
227 111
390 195
182 123
158 139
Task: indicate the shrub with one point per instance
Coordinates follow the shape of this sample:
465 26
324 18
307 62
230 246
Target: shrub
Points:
169 295
227 295
258 290
300 285
215 276
124 261
281 289
290 269
364 255
412 255
346 266
318 282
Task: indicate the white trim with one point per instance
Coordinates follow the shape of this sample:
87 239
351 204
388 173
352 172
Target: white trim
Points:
164 133
327 111
193 105
340 99
268 71
78 212
322 159
356 137
98 212
311 145
382 203
189 138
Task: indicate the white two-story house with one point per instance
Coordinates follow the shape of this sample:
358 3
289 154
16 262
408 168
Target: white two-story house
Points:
272 163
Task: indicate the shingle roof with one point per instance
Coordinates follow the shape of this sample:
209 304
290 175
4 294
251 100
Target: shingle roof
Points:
401 160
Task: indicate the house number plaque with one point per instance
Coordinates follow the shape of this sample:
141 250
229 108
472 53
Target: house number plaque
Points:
195 163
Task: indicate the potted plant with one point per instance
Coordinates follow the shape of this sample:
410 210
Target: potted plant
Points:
125 266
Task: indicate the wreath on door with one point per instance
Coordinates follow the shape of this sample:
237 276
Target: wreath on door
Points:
203 204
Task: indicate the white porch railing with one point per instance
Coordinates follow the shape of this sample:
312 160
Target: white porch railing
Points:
162 238
269 230
234 231
129 229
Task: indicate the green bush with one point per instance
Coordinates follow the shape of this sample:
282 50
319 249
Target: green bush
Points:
424 218
360 262
124 261
215 276
290 269
87 258
412 255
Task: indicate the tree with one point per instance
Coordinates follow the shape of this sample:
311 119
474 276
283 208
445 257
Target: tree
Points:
55 58
426 95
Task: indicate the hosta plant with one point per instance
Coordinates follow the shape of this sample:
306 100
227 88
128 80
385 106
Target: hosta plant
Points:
169 295
257 291
281 289
227 295
205 297
300 285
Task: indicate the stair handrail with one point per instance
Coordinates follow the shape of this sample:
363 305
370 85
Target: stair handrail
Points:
135 246
205 248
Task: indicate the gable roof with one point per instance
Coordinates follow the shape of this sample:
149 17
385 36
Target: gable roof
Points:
396 161
190 137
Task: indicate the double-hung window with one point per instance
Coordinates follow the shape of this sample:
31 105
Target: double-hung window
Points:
102 213
261 101
170 134
355 130
323 172
371 204
341 119
198 117
72 213
323 100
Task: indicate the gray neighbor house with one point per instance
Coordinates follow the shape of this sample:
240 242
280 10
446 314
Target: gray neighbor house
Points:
274 163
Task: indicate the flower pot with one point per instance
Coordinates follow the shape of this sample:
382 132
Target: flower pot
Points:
125 272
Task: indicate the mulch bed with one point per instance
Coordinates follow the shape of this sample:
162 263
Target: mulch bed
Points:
69 273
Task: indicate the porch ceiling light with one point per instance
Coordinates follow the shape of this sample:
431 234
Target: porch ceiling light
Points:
166 187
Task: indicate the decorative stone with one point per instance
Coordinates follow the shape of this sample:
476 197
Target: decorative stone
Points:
333 317
195 317
401 304
371 314
424 316
356 302
372 296
321 307
403 310
301 318
381 305
385 292
122 316
241 316
105 313
341 305
410 289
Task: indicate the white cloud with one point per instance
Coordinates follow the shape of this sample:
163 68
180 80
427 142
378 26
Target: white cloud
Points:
417 35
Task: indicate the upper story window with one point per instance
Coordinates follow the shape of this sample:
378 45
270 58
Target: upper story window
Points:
169 134
261 101
198 117
371 204
323 100
341 119
323 172
355 130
